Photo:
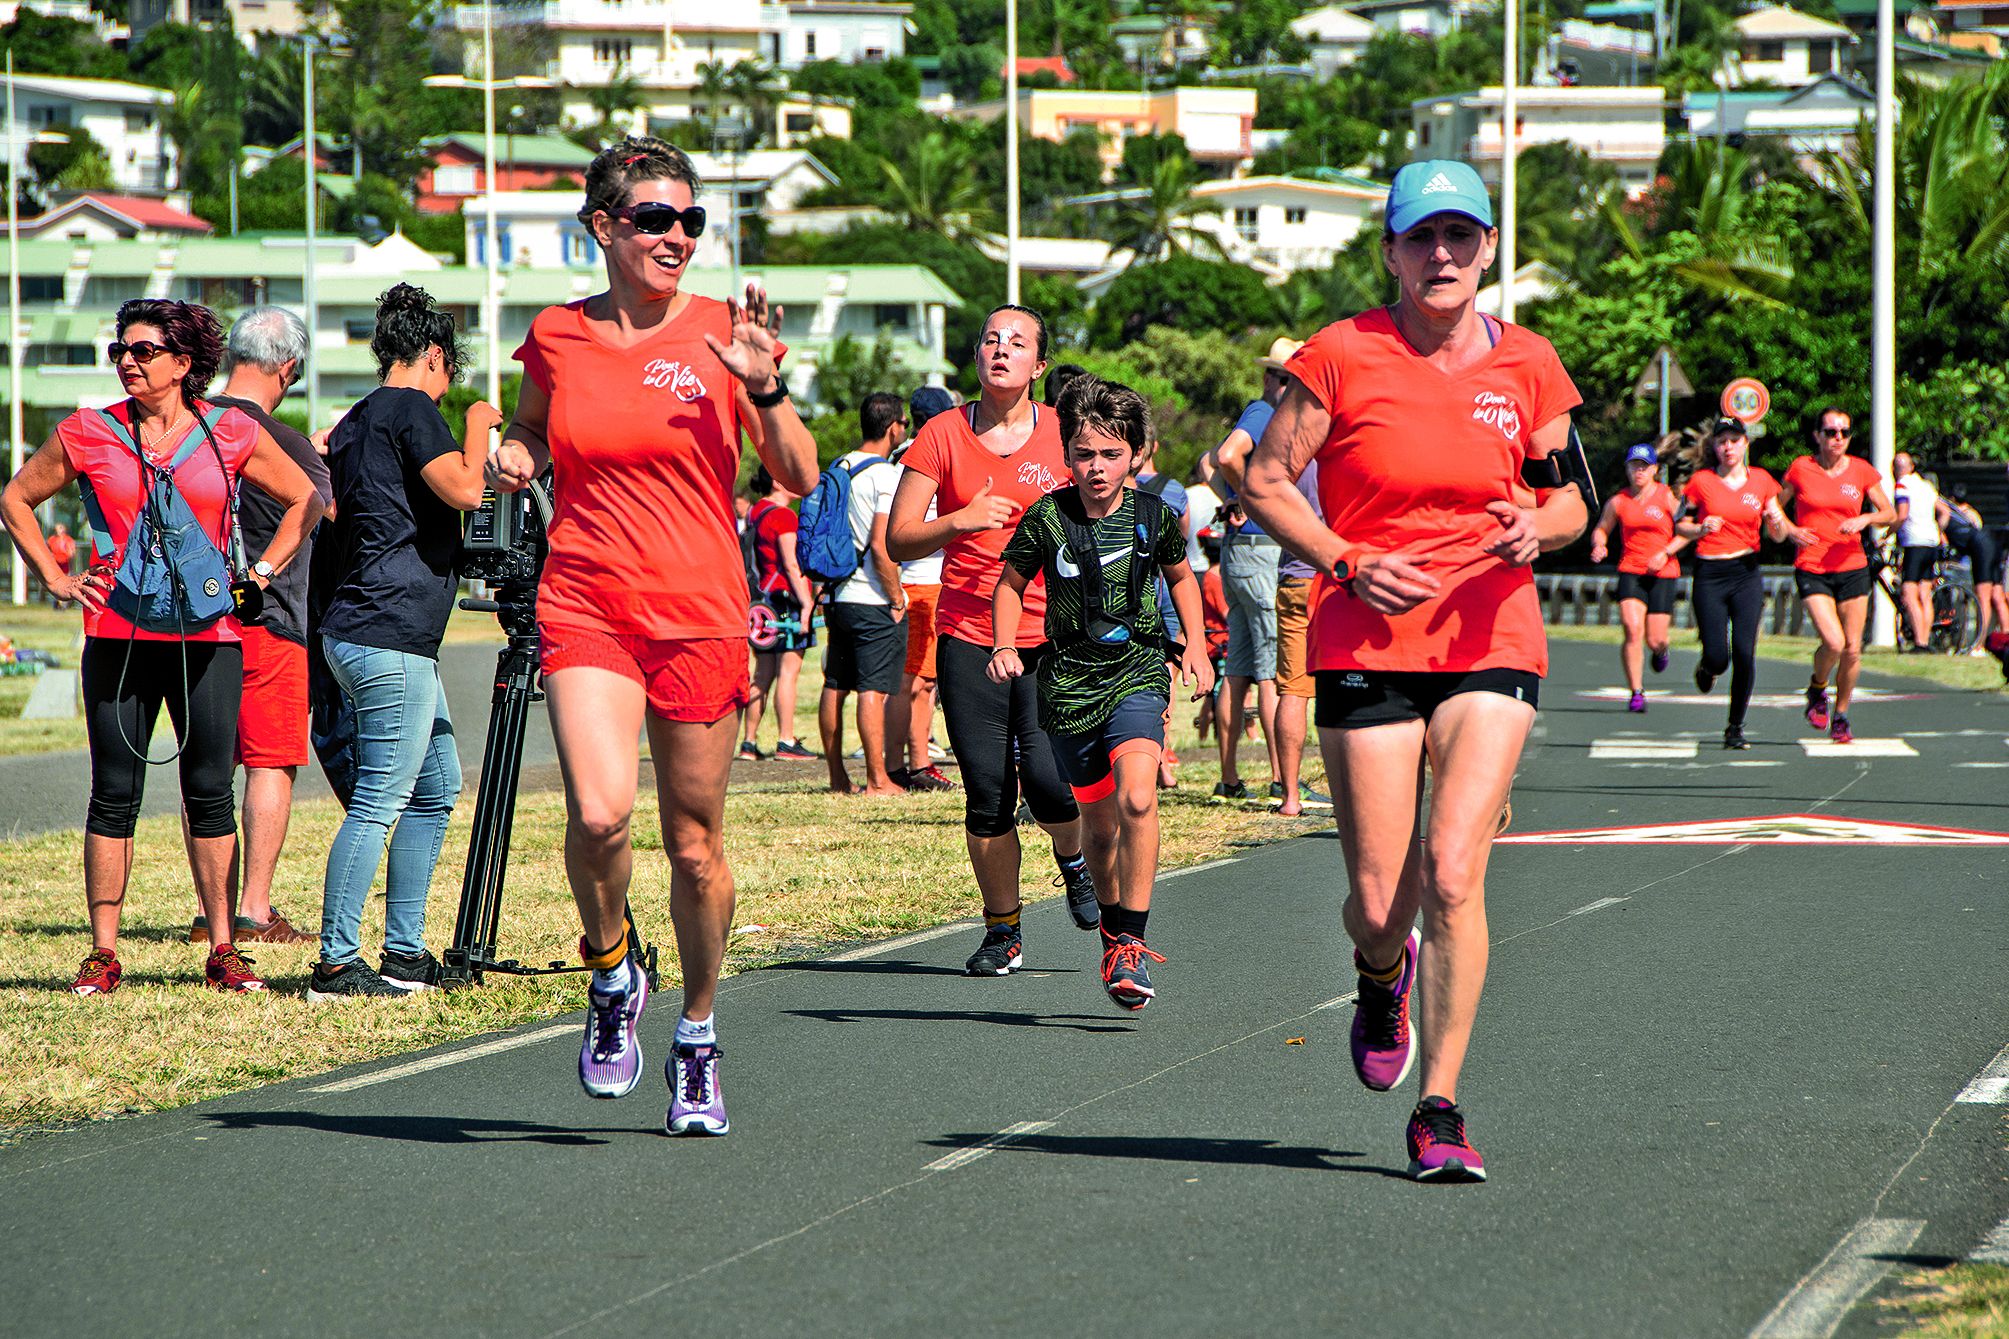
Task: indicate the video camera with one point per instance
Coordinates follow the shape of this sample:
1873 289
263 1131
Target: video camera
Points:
505 537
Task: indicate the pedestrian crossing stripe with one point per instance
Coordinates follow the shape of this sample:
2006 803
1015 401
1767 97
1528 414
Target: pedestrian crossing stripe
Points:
1636 750
1775 830
1792 701
1858 748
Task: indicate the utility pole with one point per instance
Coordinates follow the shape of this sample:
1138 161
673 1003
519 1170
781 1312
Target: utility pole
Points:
1509 151
308 297
16 431
1883 283
1011 151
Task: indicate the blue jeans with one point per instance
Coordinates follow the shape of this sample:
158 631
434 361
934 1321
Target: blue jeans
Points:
407 778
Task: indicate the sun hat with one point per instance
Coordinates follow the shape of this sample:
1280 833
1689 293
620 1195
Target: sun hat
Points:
1281 350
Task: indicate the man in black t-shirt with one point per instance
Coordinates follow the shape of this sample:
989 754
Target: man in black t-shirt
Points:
265 355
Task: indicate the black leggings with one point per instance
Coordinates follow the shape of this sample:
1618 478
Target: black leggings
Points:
994 733
120 726
1729 600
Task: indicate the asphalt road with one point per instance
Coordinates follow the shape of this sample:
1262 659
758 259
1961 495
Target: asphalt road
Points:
1715 1082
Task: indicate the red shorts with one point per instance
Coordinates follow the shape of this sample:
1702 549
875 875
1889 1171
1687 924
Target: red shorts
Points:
272 715
921 629
698 680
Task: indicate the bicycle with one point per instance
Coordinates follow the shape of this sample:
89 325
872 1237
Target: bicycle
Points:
1956 610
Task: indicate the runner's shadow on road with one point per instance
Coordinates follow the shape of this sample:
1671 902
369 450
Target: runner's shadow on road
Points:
999 1017
890 967
1217 1152
411 1129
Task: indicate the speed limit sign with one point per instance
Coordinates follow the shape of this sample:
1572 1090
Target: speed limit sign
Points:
1746 400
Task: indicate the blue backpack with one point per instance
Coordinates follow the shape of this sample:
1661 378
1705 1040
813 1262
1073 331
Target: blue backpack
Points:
172 577
824 547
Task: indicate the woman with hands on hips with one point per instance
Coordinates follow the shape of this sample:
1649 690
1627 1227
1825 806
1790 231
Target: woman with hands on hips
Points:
1427 638
638 399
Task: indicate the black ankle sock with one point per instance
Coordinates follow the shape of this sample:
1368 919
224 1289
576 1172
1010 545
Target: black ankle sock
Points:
1133 921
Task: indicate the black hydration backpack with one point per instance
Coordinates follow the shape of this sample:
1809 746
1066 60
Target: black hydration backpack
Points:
1101 623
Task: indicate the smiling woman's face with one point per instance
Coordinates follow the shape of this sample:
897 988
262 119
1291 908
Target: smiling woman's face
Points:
653 262
1439 262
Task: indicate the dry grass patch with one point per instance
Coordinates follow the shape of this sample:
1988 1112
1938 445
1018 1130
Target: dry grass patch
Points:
813 868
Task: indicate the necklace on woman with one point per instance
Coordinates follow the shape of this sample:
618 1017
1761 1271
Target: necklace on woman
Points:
161 434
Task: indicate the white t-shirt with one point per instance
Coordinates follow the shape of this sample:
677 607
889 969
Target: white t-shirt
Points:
1307 484
1202 505
871 495
1920 526
922 571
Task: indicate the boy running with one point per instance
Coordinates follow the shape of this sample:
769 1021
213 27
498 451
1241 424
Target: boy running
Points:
1104 683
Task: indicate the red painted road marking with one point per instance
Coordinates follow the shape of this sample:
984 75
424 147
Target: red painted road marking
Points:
1775 830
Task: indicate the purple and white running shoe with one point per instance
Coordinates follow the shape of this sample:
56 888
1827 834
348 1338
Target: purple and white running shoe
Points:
697 1104
1384 1046
610 1061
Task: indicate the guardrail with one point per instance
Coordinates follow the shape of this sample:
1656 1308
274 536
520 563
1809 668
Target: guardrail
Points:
1590 599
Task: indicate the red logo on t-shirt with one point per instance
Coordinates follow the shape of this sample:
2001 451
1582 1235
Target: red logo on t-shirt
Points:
1496 410
681 380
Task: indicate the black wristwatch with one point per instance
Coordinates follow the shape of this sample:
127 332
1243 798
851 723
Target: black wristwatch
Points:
770 399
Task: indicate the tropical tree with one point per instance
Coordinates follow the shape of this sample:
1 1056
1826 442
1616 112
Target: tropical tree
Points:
614 100
275 97
756 86
935 188
1164 218
1705 191
714 93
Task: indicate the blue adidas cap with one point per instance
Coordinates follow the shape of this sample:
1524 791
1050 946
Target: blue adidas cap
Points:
1641 454
1436 186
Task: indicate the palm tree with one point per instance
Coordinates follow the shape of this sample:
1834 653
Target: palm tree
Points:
756 87
1163 219
936 189
1706 192
621 94
275 109
713 93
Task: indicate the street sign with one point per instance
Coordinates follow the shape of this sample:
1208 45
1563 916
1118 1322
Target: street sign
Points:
1746 400
1678 384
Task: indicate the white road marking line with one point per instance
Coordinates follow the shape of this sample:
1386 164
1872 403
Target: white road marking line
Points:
1598 905
1195 869
1981 764
1703 766
1613 750
1815 1307
433 1062
1861 748
1991 1086
1994 1248
963 1157
1337 1000
864 951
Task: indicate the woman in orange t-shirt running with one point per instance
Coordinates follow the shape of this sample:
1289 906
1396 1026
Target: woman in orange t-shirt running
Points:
638 398
982 466
1647 570
1427 639
1723 505
1835 496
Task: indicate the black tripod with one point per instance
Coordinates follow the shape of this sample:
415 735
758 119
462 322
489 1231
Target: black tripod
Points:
476 927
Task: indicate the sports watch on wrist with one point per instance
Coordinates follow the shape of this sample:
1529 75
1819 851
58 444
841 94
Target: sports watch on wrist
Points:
264 570
769 399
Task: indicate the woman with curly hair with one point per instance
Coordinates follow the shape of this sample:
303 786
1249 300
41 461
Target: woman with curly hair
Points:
165 354
401 484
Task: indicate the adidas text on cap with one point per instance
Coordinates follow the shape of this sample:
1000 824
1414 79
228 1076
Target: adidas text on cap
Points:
1436 186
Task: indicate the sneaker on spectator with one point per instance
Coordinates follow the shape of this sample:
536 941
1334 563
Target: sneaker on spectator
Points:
749 751
229 970
277 930
928 778
791 750
99 974
409 973
354 982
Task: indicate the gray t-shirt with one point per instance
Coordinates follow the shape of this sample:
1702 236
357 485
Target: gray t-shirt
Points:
258 515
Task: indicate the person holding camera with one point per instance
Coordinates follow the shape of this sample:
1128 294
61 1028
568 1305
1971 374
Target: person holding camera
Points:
401 484
163 441
779 585
637 400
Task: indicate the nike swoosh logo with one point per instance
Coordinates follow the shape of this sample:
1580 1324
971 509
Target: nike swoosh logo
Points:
1063 562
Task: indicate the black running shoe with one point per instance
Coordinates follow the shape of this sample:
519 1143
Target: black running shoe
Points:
410 973
1001 953
1733 737
1704 680
1223 792
1124 974
750 751
356 981
1080 885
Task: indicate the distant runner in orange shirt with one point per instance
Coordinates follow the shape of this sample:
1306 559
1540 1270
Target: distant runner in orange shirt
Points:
1835 497
1647 570
1428 420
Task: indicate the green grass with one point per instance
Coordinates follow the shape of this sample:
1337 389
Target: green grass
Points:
38 628
1965 1301
1973 673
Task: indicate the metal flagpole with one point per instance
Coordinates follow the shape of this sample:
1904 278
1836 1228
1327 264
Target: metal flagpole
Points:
309 299
491 306
1011 151
16 448
1883 284
1509 144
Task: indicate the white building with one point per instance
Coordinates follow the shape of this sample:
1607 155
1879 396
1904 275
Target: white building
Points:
1815 119
800 31
541 229
124 118
1425 18
1625 127
1336 36
1278 224
1777 45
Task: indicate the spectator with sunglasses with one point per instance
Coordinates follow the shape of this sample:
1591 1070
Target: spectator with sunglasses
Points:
637 400
165 354
401 484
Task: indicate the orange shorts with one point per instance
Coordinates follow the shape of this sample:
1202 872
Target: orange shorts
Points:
921 629
697 680
272 715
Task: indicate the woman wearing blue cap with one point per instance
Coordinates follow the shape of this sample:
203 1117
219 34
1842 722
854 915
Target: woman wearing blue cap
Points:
1430 422
1647 569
